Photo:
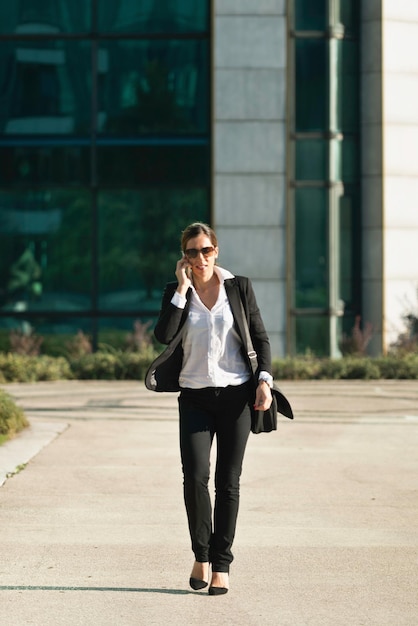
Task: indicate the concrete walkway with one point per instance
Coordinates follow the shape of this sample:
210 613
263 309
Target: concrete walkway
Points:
93 530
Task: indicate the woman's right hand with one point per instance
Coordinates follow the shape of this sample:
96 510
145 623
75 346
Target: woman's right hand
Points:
183 275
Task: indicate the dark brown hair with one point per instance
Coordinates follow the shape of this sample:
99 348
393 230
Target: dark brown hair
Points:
195 229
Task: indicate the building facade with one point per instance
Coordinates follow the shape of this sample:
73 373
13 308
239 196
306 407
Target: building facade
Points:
288 125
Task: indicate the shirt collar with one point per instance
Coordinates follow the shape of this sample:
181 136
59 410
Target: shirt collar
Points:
222 274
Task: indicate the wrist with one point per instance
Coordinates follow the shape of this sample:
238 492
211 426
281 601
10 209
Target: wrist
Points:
182 290
266 378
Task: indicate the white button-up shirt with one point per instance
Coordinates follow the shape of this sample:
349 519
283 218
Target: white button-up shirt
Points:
212 348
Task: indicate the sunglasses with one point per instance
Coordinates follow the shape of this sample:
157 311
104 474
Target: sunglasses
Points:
192 253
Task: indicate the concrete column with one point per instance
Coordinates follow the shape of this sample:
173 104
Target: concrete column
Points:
400 164
250 150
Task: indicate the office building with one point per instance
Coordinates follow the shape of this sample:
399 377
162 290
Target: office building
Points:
288 126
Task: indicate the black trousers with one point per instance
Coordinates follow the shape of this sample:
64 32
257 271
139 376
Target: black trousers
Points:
204 413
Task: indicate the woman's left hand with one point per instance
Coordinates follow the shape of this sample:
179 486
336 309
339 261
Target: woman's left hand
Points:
263 397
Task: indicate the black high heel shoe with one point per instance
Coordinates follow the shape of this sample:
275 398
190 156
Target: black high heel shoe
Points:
197 584
217 591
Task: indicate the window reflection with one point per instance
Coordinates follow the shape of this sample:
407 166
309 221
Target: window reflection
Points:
347 85
59 334
349 14
311 84
119 332
139 242
152 165
44 165
350 251
44 87
312 333
153 87
310 14
311 159
311 255
44 16
153 16
138 180
45 243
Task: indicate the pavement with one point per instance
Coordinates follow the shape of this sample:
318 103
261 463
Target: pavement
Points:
93 530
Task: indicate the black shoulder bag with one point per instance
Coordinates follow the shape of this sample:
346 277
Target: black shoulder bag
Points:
265 421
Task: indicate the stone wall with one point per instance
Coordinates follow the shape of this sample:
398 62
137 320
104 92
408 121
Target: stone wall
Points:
249 155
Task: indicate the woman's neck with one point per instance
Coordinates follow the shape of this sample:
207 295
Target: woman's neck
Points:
205 285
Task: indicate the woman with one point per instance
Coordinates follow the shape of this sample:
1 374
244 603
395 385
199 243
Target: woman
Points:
218 393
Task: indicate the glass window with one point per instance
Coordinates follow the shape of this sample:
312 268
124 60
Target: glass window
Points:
58 334
311 248
349 14
311 85
44 88
124 333
44 165
311 159
99 173
139 243
347 85
153 164
148 16
310 14
45 242
153 87
44 16
312 334
350 251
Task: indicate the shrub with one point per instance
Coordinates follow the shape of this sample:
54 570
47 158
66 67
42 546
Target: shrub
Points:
124 365
12 417
99 365
401 367
26 369
140 339
79 345
309 368
296 368
356 343
116 365
331 369
25 342
50 368
14 368
134 365
359 368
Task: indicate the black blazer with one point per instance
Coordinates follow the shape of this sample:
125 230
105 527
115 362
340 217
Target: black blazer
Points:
172 319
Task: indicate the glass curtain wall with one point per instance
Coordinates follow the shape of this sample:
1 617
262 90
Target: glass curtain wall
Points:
104 158
325 179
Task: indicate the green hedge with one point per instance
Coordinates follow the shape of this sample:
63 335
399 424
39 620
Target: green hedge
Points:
120 365
111 366
347 368
27 369
12 418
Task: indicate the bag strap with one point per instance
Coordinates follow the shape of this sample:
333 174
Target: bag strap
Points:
282 402
252 354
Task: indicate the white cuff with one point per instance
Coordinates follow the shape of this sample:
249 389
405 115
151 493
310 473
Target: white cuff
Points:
178 300
268 378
